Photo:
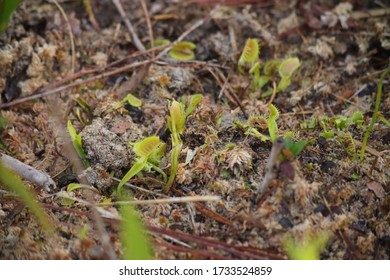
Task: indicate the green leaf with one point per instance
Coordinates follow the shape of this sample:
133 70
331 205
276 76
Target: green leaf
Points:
341 123
83 232
283 84
250 53
327 134
271 66
137 167
77 144
147 146
6 9
134 238
288 67
161 42
177 117
183 51
14 184
295 147
131 99
256 133
257 122
309 249
194 101
174 166
272 125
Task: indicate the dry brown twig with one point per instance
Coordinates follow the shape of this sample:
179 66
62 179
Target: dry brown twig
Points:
149 23
28 172
136 40
272 167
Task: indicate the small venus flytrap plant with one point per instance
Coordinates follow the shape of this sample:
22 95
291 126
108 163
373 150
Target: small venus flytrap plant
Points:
183 50
130 99
340 125
260 122
285 68
175 122
249 55
149 151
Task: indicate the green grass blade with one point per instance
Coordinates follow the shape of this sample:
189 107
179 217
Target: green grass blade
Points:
134 238
375 115
6 9
14 184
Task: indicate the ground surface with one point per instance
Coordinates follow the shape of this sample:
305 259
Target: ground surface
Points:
343 50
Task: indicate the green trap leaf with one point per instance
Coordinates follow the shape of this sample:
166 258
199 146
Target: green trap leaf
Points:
183 51
6 9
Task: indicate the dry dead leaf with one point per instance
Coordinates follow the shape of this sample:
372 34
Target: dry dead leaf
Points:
376 188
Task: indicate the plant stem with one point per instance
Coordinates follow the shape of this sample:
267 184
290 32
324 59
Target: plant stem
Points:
375 115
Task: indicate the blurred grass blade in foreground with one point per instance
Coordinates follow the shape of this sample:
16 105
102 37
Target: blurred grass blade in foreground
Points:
6 9
13 183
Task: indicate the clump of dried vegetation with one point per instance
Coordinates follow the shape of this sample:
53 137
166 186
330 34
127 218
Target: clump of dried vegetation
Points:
180 130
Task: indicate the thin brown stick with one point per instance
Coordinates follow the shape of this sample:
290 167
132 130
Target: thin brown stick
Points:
149 23
232 93
272 167
136 40
74 84
240 251
28 172
207 212
273 93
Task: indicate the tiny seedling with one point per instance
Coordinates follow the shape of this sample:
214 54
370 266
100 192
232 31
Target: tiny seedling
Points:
77 144
130 99
259 122
183 50
285 68
149 151
340 125
66 196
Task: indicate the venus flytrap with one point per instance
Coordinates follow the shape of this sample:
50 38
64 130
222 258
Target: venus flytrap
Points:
181 51
130 99
175 122
249 55
259 122
285 68
149 151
